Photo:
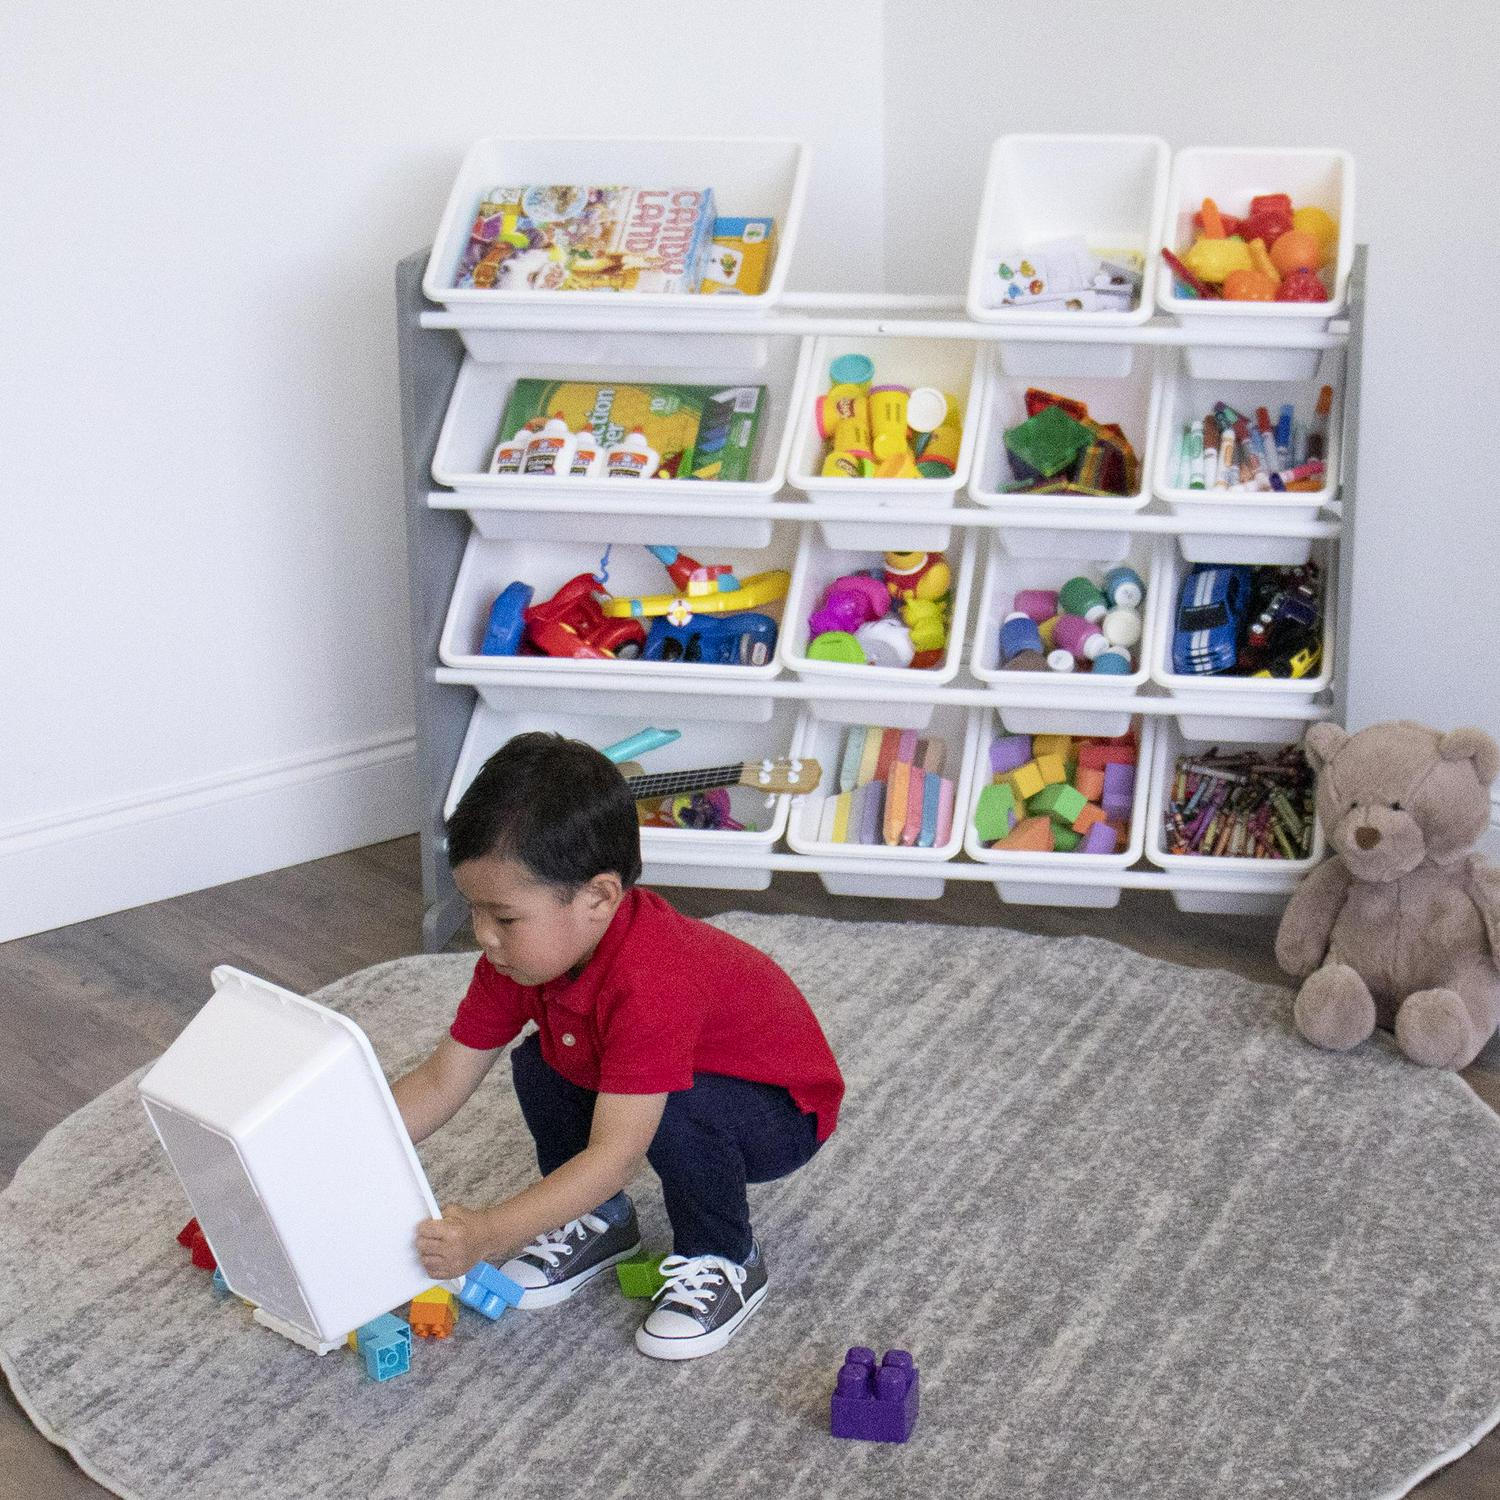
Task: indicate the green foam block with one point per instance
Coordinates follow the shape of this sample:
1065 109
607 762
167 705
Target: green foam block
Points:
996 813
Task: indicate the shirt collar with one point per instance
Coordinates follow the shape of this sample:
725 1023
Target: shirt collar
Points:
582 991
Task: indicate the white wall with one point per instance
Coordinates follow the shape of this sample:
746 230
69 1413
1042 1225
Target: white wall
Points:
203 619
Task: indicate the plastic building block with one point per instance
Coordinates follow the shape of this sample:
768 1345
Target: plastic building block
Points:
439 1296
875 1403
640 1276
996 814
385 1344
1052 768
1059 801
488 1290
432 1320
1031 834
1009 752
188 1233
221 1287
1027 780
191 1237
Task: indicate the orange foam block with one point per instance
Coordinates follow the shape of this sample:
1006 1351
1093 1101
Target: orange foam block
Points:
1088 817
1096 757
1090 781
1033 834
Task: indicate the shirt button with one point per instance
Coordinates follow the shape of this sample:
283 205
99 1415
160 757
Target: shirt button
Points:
568 1039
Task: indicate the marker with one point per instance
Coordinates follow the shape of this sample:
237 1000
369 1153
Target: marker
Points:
1311 469
1284 419
1210 467
1226 462
1195 456
1227 414
1317 431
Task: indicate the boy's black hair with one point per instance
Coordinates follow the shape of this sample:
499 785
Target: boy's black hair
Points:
554 805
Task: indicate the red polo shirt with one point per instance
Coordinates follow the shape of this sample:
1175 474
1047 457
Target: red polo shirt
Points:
663 997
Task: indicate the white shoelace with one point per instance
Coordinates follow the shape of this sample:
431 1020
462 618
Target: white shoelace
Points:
690 1277
553 1245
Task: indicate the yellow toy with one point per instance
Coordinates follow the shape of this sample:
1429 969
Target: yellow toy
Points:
706 596
1212 260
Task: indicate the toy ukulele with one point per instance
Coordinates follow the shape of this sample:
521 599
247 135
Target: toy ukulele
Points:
769 776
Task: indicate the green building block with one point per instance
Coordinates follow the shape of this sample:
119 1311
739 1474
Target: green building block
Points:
996 813
1060 802
1045 444
639 1276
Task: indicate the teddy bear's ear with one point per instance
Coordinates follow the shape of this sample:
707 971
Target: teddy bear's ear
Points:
1322 742
1475 745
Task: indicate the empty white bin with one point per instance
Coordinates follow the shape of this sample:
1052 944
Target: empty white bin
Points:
1109 189
749 177
1022 876
1131 401
824 740
1076 702
1261 886
471 429
892 690
282 1129
1200 696
948 365
1232 176
1187 398
703 744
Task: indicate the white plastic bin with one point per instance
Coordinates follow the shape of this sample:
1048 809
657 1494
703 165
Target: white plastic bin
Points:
1200 696
280 1125
824 741
1022 876
1132 402
1232 177
1264 885
489 565
889 702
749 177
1111 190
1187 398
702 744
1088 704
949 365
471 429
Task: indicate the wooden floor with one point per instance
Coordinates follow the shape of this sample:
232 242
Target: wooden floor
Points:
86 1005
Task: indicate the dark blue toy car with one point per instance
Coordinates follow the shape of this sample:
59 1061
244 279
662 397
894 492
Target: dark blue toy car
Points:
737 640
1211 610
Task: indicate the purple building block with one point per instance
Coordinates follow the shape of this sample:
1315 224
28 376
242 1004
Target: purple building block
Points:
1008 752
1119 790
876 1403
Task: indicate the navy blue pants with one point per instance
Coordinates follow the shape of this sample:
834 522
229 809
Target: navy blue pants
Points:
713 1139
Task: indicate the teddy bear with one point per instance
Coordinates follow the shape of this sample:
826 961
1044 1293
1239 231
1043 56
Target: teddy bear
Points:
1400 927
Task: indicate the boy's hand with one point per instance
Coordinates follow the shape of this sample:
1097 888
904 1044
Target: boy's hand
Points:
449 1246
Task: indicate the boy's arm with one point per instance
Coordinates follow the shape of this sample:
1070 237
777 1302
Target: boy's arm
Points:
432 1093
624 1126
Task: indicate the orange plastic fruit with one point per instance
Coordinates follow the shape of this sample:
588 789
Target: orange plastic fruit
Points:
1249 286
1296 250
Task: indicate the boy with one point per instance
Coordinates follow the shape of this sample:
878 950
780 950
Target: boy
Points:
658 1038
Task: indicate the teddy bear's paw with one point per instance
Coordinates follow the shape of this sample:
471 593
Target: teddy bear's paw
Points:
1334 1008
1432 1028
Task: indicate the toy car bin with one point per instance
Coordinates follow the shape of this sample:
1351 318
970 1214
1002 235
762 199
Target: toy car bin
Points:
1322 179
1110 191
897 695
702 746
279 1123
1081 701
1005 454
1186 399
564 507
933 465
1053 877
871 768
726 634
1250 887
1199 695
748 177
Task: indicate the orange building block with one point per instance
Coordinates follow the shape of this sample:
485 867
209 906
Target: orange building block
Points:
431 1320
1034 834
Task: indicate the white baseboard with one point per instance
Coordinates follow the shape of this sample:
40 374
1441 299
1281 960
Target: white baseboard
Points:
107 858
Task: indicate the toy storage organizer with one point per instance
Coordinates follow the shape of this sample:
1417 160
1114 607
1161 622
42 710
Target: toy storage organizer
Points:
471 533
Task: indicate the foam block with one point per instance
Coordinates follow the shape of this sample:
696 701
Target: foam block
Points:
1102 838
1032 834
1100 756
1027 780
1009 752
1060 802
1090 781
1053 744
996 814
1052 768
1086 819
1064 840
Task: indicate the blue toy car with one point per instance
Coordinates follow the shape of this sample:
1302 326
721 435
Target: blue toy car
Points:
746 639
1211 610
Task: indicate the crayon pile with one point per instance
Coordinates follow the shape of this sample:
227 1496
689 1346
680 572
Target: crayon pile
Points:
1054 793
891 791
1060 450
1242 805
1233 450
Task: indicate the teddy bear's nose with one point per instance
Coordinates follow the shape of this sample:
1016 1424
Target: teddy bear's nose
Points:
1367 837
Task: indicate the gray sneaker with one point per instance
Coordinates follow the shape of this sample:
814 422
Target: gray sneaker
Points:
562 1261
705 1301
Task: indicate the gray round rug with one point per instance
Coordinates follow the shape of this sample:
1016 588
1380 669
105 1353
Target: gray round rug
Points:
1142 1240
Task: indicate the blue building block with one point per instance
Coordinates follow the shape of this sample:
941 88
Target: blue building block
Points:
221 1287
385 1343
876 1403
489 1291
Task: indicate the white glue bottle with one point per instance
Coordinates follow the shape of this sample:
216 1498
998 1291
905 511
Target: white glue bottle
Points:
632 458
550 451
510 457
588 455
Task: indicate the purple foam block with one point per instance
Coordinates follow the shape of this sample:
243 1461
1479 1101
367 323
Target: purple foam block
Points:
876 1403
1101 839
1119 788
1008 752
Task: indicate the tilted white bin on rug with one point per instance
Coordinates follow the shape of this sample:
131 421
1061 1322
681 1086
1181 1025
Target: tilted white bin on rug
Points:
282 1129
